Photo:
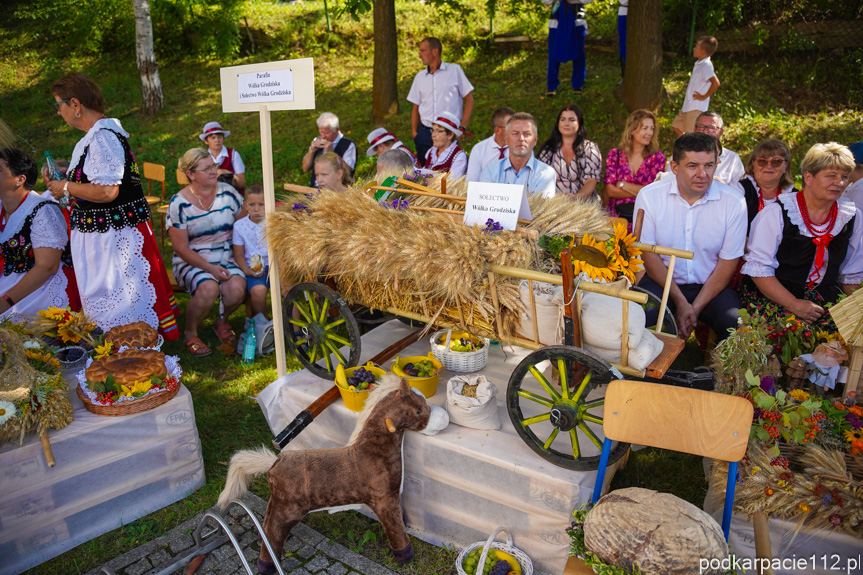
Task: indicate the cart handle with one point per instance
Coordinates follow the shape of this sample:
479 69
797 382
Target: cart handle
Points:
622 293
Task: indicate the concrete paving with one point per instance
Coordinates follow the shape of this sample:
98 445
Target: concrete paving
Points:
306 551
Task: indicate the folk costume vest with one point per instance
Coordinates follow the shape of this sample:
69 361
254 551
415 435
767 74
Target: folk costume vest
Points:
339 149
128 209
750 194
16 253
442 164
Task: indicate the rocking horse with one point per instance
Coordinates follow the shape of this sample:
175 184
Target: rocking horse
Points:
367 470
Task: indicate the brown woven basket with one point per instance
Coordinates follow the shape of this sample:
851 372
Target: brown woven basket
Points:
139 405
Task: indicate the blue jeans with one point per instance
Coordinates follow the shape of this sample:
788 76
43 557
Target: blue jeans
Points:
579 69
423 143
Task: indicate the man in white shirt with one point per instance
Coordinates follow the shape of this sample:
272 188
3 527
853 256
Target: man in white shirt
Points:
521 166
730 169
330 139
492 148
441 87
697 213
854 191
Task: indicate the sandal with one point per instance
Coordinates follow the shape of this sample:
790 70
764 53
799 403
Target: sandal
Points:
197 348
225 333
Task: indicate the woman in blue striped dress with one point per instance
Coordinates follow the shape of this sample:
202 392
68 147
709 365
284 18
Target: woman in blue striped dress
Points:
200 222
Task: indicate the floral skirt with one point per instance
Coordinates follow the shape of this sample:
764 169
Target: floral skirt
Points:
756 302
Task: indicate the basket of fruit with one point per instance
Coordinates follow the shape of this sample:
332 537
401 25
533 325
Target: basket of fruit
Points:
460 351
422 372
355 383
493 558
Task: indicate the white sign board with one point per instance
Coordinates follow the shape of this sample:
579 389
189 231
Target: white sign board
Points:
270 86
281 85
503 203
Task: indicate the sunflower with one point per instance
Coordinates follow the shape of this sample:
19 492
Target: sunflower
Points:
589 257
623 253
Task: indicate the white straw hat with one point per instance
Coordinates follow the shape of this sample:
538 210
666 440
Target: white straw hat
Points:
378 136
450 122
211 128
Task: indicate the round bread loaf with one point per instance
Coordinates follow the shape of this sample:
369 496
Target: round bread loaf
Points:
133 335
128 367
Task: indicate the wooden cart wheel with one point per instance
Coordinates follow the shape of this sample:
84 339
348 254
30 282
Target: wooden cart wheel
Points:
541 409
669 325
320 327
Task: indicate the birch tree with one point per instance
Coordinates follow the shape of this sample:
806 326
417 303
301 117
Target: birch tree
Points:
151 86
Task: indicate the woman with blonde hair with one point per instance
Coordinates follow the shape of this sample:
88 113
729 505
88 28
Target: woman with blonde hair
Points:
120 274
806 249
633 164
331 172
200 222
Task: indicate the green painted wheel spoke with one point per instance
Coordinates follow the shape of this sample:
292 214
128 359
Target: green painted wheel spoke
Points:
573 438
300 342
562 372
537 398
590 434
313 306
298 322
591 418
336 351
314 354
594 403
339 339
336 323
304 311
550 439
324 309
327 359
544 383
582 387
536 419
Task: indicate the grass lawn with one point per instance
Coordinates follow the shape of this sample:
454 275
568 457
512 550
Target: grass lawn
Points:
800 98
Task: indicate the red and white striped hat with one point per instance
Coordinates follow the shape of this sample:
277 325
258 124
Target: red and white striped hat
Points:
450 122
211 128
378 136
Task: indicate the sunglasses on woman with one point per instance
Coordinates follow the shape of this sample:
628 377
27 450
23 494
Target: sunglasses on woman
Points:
774 163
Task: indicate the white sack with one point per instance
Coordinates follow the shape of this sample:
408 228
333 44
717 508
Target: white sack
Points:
640 356
601 320
478 412
549 312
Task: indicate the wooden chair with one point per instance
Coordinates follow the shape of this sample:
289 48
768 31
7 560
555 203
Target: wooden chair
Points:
155 173
688 420
182 179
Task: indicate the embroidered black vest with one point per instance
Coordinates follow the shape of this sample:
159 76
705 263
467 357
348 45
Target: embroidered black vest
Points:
128 209
797 252
750 194
339 150
18 255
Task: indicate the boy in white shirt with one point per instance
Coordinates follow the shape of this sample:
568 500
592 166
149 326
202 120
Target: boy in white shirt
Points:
250 248
702 84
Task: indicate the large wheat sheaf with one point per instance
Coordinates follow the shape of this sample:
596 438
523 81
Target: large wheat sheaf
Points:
418 261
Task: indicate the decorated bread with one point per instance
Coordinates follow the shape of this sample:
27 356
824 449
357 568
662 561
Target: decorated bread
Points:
133 335
128 367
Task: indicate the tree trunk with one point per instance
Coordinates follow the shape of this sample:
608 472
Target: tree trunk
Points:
151 86
642 80
385 76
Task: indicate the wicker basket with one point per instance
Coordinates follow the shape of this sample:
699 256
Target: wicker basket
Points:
490 543
458 361
139 405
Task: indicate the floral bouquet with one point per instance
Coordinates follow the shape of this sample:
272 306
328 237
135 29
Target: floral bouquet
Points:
63 326
608 260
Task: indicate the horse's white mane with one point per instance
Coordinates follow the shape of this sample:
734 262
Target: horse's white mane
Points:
388 384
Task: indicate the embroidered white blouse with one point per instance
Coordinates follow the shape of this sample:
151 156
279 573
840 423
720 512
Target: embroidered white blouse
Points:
105 162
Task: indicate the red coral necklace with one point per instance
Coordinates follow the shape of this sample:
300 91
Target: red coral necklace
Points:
821 238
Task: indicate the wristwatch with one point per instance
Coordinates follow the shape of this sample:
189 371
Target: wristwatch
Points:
66 189
620 185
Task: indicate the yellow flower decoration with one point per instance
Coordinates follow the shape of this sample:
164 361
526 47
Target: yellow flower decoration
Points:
104 350
854 435
137 387
589 257
623 253
799 395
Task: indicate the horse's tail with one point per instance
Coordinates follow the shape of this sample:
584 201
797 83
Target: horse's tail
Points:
245 466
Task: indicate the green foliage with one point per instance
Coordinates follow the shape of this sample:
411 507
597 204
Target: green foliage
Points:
180 27
555 244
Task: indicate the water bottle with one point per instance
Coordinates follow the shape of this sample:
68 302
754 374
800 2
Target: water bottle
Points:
53 171
250 343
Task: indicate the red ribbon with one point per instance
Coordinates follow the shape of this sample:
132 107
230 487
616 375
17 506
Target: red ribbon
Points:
821 244
374 142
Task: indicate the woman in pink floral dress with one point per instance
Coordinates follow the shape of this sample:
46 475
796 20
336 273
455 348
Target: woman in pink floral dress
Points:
633 164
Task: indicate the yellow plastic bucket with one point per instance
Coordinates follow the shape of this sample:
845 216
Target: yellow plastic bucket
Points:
355 400
426 385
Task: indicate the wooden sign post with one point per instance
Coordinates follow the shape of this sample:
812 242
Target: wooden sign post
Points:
263 88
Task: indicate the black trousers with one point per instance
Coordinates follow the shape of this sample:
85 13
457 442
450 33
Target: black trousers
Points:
720 314
423 143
